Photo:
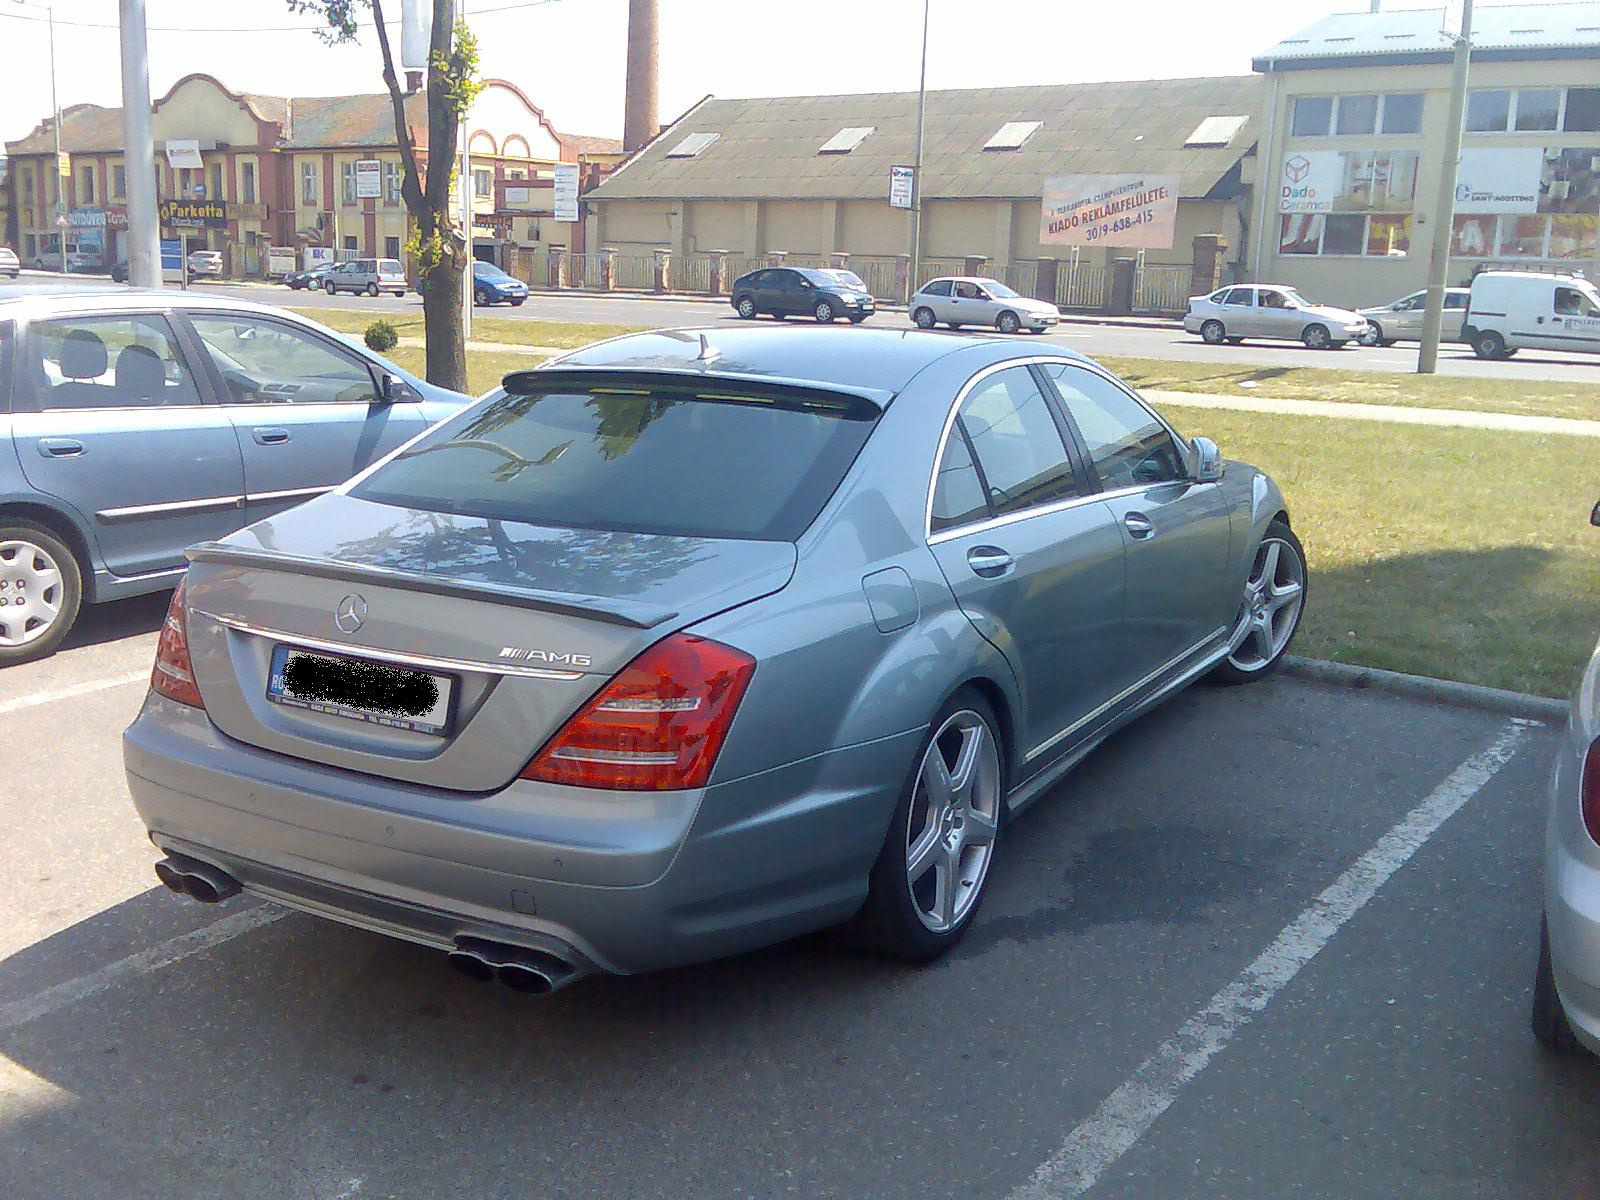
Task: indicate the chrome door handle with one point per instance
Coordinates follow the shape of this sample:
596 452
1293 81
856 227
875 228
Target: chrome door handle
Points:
1139 526
61 447
270 436
989 561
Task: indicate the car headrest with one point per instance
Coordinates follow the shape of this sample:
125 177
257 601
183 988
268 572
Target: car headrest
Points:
140 373
83 355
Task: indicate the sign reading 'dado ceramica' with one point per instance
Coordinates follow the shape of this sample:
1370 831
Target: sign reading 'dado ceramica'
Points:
1309 181
194 214
1109 210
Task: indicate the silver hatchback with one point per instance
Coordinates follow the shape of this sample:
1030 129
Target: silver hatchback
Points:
692 641
958 301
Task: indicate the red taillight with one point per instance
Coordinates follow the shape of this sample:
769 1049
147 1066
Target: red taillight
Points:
657 726
1589 788
173 676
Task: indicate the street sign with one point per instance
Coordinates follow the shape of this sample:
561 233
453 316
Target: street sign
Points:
566 191
194 214
183 152
369 179
902 186
64 165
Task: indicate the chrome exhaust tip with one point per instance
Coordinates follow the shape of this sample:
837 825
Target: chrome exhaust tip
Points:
530 981
197 880
524 970
474 966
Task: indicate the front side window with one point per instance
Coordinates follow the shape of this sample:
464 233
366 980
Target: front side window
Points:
1570 302
1008 423
968 291
268 362
107 362
1127 446
576 457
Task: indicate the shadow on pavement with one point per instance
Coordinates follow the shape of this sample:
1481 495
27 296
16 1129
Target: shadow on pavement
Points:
118 619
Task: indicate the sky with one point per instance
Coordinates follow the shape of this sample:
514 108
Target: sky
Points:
568 55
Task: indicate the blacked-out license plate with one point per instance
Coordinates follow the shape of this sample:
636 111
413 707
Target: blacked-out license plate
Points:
361 689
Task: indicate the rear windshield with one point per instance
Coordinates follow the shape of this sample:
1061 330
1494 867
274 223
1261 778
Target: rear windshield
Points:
389 266
676 462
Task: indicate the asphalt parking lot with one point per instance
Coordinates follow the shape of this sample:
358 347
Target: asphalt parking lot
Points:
1271 941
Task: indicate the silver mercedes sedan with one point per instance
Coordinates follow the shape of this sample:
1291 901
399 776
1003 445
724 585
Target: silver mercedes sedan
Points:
694 641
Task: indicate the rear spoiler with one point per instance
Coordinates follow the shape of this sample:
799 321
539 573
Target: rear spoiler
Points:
714 384
594 608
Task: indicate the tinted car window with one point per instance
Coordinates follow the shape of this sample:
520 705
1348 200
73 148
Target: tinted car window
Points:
266 362
1127 446
127 361
958 497
939 287
1239 296
1019 447
601 460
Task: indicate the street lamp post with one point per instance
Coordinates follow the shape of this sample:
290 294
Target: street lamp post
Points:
916 170
1444 202
466 204
55 124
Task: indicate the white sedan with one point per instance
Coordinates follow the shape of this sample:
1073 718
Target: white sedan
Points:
1270 310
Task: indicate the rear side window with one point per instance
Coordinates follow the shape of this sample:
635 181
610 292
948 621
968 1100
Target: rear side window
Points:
1019 448
670 461
958 495
127 361
939 287
1239 296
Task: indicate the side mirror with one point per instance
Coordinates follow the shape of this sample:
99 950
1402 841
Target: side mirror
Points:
1594 514
1205 460
392 389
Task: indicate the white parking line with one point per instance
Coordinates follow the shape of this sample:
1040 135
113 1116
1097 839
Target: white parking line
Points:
53 999
1124 1117
34 699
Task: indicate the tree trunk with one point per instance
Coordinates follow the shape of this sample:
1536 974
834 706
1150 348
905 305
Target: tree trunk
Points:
441 326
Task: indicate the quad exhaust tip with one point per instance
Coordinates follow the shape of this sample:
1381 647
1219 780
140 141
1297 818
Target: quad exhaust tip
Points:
197 880
530 972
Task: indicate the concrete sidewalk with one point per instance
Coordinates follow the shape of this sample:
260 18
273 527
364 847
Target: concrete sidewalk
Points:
1392 413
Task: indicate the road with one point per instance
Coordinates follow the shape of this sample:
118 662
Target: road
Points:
1157 341
1186 981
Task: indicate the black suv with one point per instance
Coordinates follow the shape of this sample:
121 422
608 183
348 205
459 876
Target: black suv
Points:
802 292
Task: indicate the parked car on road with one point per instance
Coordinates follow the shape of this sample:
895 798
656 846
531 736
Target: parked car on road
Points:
310 278
141 422
508 695
9 263
371 276
1270 310
970 300
205 264
1402 320
800 292
491 285
1509 310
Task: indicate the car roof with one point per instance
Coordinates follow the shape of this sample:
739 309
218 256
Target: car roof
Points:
875 363
27 299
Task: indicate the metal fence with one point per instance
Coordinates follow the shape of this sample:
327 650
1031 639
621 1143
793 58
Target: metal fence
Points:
636 272
1162 289
881 275
1079 285
583 270
692 273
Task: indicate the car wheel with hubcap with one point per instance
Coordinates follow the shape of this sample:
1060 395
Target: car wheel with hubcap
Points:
40 591
746 308
1551 1028
935 863
1372 335
1270 610
1489 344
1316 337
923 318
823 312
1212 333
1007 322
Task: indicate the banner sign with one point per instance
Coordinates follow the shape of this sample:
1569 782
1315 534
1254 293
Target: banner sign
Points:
1499 179
369 179
318 256
280 260
194 214
1310 180
183 153
1110 210
902 186
566 191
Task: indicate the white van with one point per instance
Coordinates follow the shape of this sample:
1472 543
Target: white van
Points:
1508 310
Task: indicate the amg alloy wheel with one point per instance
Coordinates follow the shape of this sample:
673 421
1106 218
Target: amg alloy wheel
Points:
1269 613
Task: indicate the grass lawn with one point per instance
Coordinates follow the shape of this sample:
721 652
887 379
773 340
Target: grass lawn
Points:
1461 554
1534 397
484 369
561 334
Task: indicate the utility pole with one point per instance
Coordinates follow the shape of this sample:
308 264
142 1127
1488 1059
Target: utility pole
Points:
59 217
1444 204
916 169
144 240
465 172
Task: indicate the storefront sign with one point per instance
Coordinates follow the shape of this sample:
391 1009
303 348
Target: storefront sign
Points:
318 256
183 153
1109 210
280 260
1309 180
369 179
902 186
87 218
1499 180
566 191
194 214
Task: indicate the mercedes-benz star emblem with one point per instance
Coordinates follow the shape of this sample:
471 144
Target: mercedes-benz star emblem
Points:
350 614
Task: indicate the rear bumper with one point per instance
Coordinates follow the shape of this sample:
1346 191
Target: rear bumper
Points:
1572 896
738 865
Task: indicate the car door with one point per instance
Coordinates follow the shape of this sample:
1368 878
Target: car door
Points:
1034 560
967 306
936 296
1182 595
1239 313
1275 316
305 408
1573 322
109 417
1455 312
770 291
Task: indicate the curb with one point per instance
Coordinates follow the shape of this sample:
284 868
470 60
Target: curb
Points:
1423 687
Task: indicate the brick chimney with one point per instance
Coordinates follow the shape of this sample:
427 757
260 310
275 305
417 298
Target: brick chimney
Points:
640 119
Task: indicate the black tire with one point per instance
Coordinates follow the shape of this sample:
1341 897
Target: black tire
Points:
1236 341
952 324
1213 333
517 303
923 318
1316 337
71 599
480 298
372 290
1489 345
328 287
823 312
1226 672
857 319
1007 322
1372 335
1549 1019
745 306
888 922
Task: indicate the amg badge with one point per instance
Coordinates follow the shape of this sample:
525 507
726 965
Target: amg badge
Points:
553 657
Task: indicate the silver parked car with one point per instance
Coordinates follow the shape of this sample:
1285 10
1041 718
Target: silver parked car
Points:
962 300
1270 310
1402 320
544 693
9 264
205 263
371 276
133 424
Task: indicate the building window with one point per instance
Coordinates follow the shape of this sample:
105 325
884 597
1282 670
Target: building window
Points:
1538 108
348 175
86 186
1369 215
1524 235
1488 111
350 244
391 184
482 183
1583 110
1402 113
215 192
247 182
27 187
1313 115
119 181
1357 114
308 183
391 247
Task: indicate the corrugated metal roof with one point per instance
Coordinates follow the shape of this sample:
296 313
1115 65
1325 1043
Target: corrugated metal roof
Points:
769 146
1519 30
